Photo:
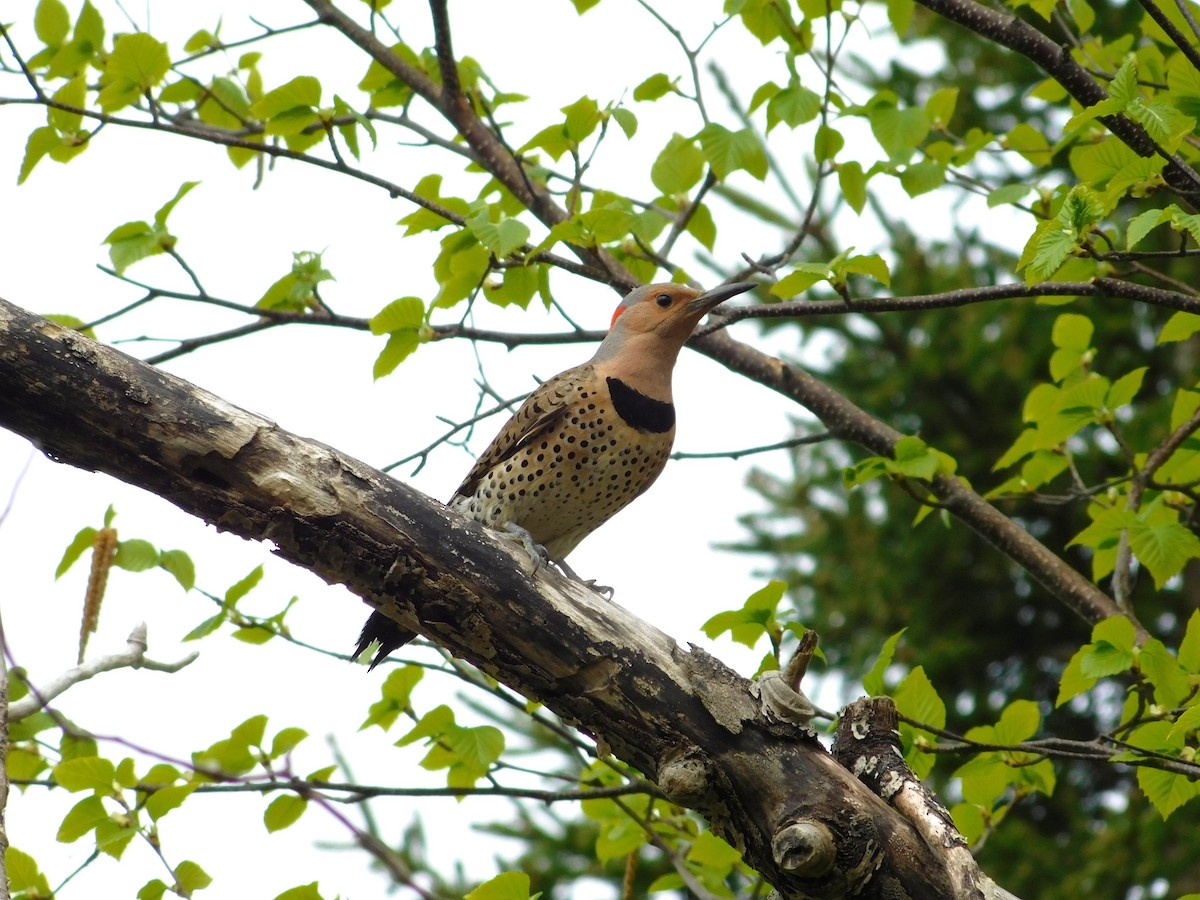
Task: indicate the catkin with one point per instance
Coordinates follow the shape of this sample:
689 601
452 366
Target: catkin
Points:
104 548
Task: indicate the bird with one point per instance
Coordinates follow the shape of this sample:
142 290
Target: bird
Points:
585 443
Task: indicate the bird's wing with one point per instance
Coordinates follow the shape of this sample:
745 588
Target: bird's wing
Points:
538 416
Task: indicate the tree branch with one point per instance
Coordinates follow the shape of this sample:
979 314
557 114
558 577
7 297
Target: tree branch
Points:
1011 32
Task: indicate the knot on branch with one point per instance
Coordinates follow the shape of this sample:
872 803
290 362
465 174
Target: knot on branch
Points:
684 778
804 848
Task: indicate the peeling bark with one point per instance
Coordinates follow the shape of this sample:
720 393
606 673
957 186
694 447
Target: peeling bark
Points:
868 744
687 721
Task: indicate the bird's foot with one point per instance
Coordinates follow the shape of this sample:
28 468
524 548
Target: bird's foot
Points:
602 589
535 550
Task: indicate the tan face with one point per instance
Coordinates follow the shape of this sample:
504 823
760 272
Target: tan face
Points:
662 308
670 310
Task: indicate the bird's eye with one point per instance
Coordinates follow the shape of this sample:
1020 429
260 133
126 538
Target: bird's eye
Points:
663 300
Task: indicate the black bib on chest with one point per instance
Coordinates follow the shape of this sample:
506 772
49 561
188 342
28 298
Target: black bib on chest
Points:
639 411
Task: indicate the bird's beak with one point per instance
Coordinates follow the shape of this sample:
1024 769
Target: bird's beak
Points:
718 295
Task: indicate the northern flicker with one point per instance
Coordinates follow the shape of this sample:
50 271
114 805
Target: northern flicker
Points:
586 442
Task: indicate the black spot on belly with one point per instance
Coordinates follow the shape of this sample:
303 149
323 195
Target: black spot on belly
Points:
639 411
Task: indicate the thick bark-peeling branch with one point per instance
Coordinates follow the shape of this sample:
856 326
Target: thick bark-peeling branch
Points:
680 716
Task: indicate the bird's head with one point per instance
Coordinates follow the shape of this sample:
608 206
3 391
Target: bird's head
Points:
669 311
649 328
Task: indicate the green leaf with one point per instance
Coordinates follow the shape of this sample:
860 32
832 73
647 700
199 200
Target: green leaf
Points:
1125 388
24 877
165 799
82 541
251 731
619 837
1165 124
1142 224
1081 209
404 314
190 877
916 698
73 93
136 555
800 279
654 87
1105 530
205 628
873 680
1074 682
1162 670
627 120
827 143
1029 143
398 348
900 14
506 885
474 750
396 697
160 217
40 142
939 108
137 63
794 106
154 889
285 741
1054 247
1103 659
1189 647
519 286
731 151
86 773
431 725
899 131
853 184
303 91
1115 630
679 167
239 590
753 620
422 219
1188 721
51 22
1072 332
711 852
873 265
179 564
1164 548
1019 722
1009 193
308 891
1180 327
502 237
922 177
283 811
583 117
83 817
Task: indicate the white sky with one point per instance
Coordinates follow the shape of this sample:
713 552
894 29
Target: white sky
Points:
317 382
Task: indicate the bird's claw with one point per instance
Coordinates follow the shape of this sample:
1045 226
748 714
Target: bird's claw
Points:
602 589
540 558
535 550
